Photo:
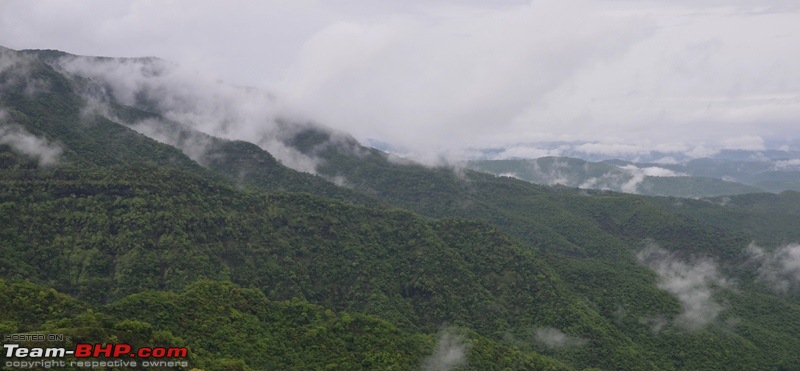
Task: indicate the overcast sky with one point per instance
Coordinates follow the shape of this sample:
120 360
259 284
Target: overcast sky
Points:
448 76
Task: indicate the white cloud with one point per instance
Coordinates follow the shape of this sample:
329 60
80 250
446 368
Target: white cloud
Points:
638 175
651 171
692 282
632 184
611 149
656 323
554 338
193 145
667 160
780 269
15 67
191 98
443 76
793 164
567 172
748 142
522 151
25 143
509 175
459 73
450 353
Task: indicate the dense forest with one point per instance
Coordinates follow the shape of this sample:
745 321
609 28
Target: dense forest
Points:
111 235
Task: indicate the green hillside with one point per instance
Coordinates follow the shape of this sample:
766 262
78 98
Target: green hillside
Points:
253 265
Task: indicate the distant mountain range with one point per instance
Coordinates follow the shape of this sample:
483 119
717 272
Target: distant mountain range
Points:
728 173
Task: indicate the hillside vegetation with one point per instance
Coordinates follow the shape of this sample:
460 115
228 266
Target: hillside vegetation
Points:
109 235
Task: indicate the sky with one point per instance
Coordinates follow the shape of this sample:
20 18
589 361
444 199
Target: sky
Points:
446 78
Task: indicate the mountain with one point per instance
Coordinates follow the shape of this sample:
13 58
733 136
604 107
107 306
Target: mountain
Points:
618 176
724 174
134 210
771 174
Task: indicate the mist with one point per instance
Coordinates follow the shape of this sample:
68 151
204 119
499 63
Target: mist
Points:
27 144
783 165
583 174
446 78
693 282
450 353
189 99
555 339
778 269
638 175
15 69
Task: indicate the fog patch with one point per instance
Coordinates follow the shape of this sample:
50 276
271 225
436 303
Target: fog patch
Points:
450 353
187 97
666 160
399 159
660 172
10 59
440 159
610 181
447 161
779 269
656 323
552 175
96 106
692 282
784 165
193 144
289 156
554 338
27 144
638 175
632 184
573 172
527 151
17 70
340 180
35 86
746 142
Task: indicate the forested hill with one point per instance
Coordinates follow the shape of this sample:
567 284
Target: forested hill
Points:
121 222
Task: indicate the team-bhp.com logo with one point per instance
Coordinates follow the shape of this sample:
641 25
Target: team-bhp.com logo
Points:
94 356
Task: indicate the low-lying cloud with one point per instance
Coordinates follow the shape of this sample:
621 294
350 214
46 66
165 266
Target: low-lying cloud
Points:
189 98
784 165
25 143
450 353
692 282
578 173
554 338
652 171
656 323
16 73
639 174
625 78
780 268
